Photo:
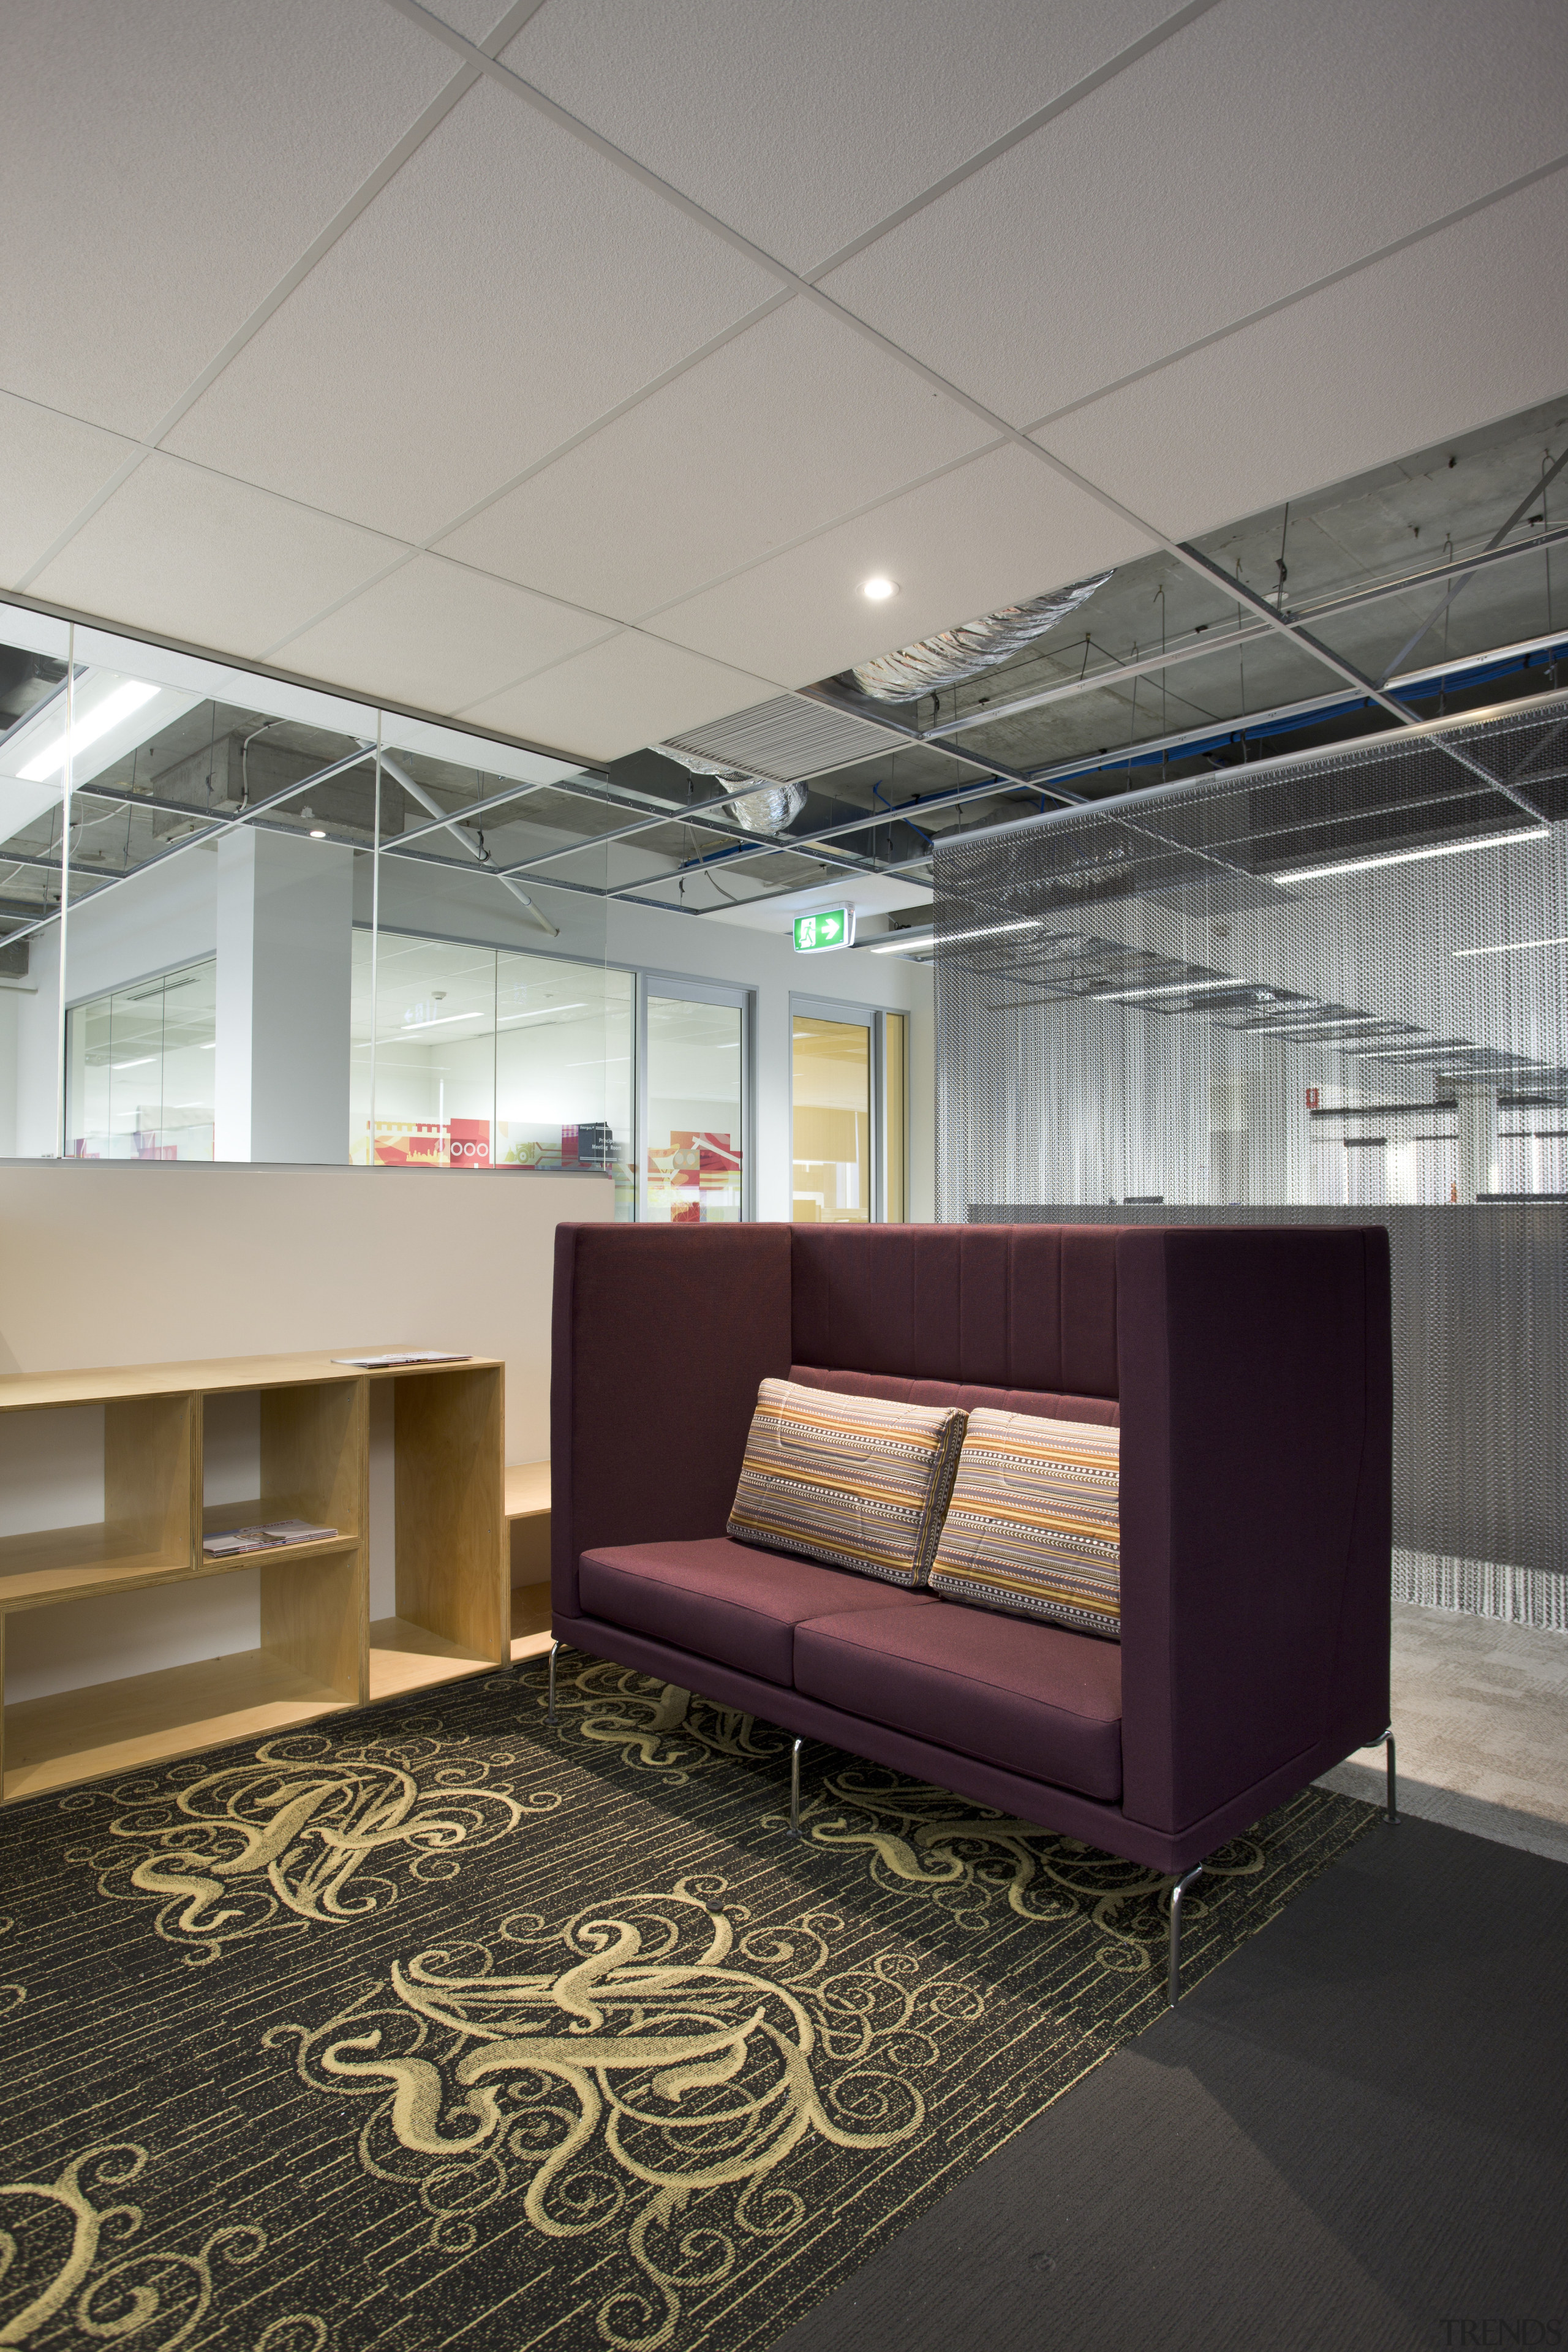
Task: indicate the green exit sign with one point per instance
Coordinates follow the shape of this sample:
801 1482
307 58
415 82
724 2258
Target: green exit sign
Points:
830 927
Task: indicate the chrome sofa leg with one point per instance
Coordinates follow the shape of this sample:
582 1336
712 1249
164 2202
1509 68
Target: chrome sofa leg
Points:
1393 1789
794 1789
1177 1891
550 1716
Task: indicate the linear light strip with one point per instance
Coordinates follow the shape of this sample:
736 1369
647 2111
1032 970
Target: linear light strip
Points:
908 940
1408 856
1511 947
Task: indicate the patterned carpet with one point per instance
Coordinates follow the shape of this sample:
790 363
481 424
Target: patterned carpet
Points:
428 2026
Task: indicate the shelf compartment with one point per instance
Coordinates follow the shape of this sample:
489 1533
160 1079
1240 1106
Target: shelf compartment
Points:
529 1620
408 1657
112 1727
312 1461
69 1563
150 1476
449 1480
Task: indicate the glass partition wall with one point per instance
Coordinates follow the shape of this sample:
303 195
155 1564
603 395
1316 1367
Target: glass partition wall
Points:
246 921
242 919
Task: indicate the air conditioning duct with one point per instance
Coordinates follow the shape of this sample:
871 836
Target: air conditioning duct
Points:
767 810
968 651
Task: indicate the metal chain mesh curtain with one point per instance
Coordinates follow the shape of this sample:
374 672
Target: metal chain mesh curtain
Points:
1327 989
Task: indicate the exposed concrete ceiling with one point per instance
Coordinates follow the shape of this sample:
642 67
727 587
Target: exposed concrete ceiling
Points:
569 373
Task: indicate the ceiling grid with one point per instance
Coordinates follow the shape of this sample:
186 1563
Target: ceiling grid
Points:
598 673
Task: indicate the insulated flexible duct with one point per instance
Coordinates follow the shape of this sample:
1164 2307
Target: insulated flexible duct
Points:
767 810
968 651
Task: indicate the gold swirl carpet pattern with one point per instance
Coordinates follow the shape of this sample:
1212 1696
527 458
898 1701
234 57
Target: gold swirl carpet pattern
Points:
441 2027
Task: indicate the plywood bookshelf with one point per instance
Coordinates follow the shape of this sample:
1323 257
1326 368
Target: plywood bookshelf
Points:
318 1650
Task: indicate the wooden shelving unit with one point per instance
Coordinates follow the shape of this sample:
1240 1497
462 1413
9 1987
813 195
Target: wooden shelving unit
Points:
528 1526
318 1650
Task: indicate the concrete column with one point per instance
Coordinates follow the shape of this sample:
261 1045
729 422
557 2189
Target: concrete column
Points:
1479 1164
285 919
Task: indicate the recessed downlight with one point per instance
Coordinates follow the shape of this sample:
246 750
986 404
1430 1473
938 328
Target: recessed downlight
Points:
879 588
318 833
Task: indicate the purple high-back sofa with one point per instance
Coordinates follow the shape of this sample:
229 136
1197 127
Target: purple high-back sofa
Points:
1249 1371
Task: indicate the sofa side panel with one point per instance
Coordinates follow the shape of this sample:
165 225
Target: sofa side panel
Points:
1252 1434
660 1337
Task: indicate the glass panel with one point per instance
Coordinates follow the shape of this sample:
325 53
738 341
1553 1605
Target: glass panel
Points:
894 1117
563 1069
486 1059
140 1070
694 1112
832 1071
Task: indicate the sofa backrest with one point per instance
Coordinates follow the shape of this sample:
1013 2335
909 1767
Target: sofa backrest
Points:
968 1396
1003 1307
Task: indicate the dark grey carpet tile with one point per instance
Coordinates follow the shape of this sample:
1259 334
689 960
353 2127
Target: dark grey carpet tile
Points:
1354 2134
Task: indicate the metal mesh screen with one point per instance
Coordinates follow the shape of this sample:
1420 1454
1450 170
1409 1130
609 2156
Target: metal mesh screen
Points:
1319 990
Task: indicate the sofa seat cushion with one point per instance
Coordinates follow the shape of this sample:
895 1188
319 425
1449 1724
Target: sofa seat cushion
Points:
1030 1697
727 1600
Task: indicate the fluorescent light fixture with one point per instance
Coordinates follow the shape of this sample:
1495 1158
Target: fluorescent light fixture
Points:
879 588
1511 947
1174 988
145 1062
1406 857
902 942
406 1028
576 1004
109 712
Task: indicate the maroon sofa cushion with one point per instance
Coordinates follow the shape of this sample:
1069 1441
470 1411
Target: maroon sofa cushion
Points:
1032 1698
726 1601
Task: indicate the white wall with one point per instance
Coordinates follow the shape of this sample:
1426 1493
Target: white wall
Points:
130 1262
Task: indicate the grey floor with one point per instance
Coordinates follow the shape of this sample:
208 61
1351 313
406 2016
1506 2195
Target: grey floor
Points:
1353 2135
1480 1717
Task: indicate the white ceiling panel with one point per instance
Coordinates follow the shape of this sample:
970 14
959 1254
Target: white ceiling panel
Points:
1382 363
439 634
803 126
632 690
997 529
50 466
505 289
166 166
187 554
796 422
475 19
1259 149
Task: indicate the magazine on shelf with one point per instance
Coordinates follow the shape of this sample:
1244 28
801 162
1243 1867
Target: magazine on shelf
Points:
396 1356
275 1534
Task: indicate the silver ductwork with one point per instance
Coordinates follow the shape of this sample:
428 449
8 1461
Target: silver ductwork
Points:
767 810
968 651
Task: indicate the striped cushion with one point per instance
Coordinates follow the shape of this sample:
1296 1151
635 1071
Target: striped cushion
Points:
1034 1522
855 1481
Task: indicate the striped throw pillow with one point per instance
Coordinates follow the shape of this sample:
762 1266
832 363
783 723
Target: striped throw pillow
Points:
1033 1525
857 1482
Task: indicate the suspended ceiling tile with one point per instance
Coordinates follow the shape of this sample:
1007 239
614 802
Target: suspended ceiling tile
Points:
1255 152
1385 362
632 690
440 635
167 164
992 531
505 289
475 19
189 555
796 422
50 467
803 126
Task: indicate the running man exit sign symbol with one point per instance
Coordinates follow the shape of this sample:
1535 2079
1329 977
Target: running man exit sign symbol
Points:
830 927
